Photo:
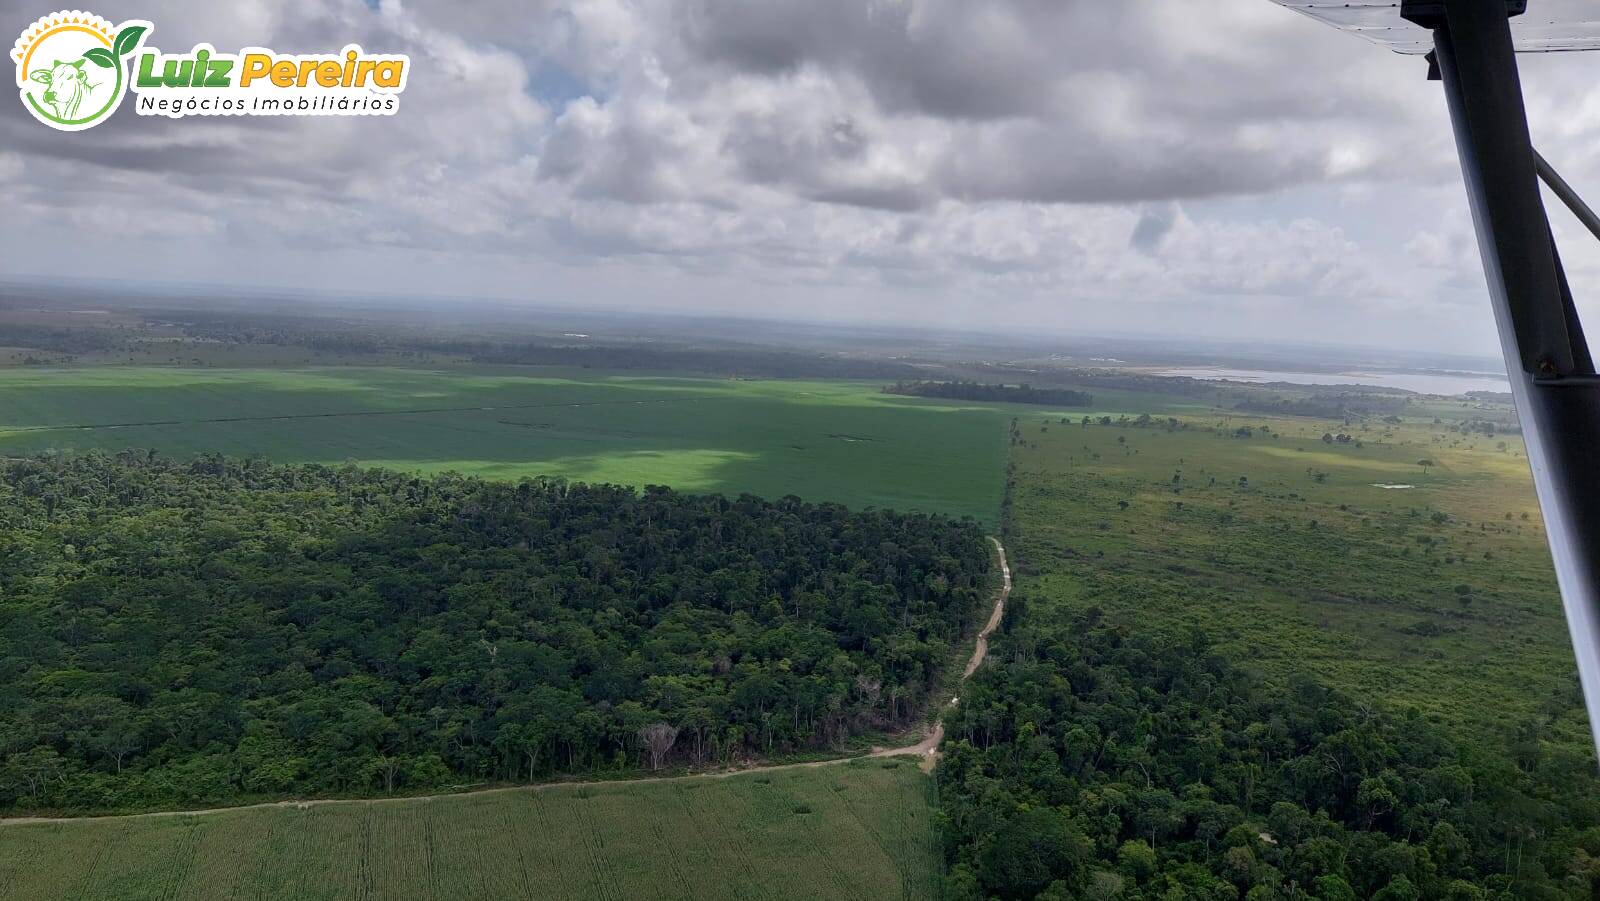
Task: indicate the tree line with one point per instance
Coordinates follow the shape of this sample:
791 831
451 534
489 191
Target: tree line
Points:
357 338
201 631
1013 394
59 339
1347 405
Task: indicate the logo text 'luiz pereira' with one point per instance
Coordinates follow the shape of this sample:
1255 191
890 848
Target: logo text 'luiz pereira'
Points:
73 69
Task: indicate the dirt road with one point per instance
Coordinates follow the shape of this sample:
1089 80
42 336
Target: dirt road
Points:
926 750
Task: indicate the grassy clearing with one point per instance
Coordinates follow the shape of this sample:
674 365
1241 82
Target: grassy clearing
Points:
1440 595
856 830
822 441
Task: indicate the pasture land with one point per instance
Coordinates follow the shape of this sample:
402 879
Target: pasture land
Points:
862 829
822 441
1439 595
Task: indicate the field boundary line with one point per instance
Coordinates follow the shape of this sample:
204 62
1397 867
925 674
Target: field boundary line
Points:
282 417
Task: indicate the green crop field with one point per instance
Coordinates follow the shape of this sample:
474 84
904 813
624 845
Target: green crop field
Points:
856 830
822 441
1436 592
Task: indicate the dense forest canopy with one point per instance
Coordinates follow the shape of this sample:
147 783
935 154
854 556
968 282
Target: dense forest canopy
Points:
201 631
1012 394
1088 761
1351 405
54 338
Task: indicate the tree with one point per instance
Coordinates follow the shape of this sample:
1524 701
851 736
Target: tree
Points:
35 768
1157 814
658 738
961 884
387 769
121 736
1462 890
1398 889
427 770
1238 865
1136 860
1449 849
1334 888
1032 849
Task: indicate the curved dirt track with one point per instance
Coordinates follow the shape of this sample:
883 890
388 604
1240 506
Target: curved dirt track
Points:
926 750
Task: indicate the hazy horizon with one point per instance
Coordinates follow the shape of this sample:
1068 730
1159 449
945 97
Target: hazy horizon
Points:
1193 349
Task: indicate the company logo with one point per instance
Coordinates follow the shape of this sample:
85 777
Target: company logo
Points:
73 69
70 67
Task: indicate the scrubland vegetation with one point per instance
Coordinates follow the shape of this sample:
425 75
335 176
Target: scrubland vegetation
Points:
1237 665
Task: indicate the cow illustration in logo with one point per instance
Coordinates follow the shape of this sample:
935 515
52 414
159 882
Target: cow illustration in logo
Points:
67 86
70 67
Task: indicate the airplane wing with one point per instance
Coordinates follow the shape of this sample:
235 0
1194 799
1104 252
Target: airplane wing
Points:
1539 26
1471 47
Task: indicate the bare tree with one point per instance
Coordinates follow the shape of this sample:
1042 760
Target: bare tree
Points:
37 767
117 741
658 737
869 688
389 769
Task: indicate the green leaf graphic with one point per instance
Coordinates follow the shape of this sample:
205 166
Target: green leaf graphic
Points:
100 56
128 38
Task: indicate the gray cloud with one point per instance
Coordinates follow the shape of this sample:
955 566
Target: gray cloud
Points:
1154 225
1079 101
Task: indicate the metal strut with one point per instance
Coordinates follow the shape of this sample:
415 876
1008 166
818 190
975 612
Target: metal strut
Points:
1547 360
1559 187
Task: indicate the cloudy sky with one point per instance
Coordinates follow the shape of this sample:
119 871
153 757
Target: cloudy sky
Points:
1157 167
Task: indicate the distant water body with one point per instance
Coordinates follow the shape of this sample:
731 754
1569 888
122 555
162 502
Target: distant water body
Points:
1449 383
